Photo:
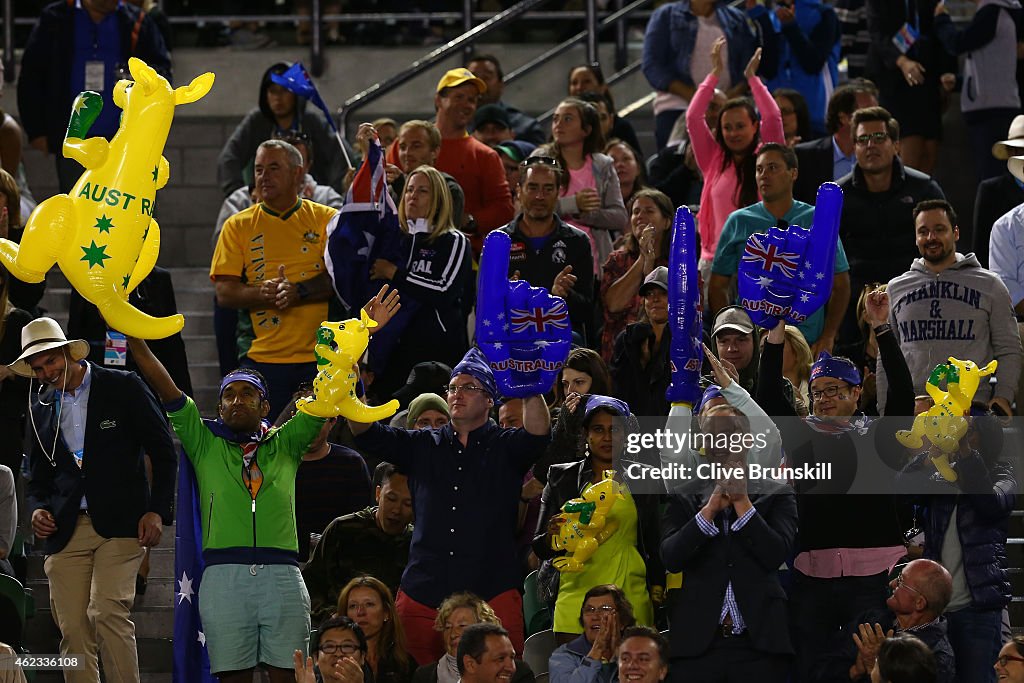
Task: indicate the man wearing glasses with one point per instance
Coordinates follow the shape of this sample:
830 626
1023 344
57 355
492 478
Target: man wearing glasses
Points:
920 593
878 197
847 543
465 479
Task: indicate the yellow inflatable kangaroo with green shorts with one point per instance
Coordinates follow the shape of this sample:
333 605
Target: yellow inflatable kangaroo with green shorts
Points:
102 235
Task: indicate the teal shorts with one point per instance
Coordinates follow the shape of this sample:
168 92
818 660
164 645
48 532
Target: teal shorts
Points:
253 614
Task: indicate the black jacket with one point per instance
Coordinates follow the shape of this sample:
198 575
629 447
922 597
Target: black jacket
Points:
749 558
565 482
995 198
642 388
981 522
44 84
123 424
155 296
877 228
815 167
567 246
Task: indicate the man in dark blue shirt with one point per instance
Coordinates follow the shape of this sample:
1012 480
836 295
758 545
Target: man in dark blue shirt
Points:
465 480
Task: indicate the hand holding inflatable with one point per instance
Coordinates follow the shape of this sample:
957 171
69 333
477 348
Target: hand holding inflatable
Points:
686 354
523 331
787 274
339 348
945 424
102 234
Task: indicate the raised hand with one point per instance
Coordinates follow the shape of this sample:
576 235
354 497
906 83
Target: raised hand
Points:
523 331
787 274
722 376
717 63
383 307
877 306
753 65
686 353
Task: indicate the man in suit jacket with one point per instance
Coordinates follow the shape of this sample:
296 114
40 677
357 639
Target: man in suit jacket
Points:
832 157
88 493
728 536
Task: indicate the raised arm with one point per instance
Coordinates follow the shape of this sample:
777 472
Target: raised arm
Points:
153 371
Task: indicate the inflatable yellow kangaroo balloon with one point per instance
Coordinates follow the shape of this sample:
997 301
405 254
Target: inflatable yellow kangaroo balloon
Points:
586 524
102 235
339 348
944 424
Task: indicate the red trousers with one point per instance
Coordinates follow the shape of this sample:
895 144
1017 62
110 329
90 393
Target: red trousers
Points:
424 643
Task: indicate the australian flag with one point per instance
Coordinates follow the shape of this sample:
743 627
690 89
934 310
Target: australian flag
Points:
191 661
771 256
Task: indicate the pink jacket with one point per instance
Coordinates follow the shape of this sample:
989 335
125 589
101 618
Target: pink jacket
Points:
709 154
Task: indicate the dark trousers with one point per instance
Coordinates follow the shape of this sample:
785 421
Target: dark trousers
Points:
663 124
821 608
984 129
976 637
730 660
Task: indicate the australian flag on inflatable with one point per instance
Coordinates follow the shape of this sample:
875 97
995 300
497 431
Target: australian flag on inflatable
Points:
366 230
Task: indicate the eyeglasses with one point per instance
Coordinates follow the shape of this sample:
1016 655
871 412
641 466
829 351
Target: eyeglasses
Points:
1003 659
901 583
877 138
827 392
464 388
343 648
603 609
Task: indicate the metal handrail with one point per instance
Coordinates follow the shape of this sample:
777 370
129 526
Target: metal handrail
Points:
378 90
567 44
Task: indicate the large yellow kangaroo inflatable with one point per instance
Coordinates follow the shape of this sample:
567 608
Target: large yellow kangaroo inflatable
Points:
102 235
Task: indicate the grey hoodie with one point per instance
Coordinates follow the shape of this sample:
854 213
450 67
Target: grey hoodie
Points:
964 312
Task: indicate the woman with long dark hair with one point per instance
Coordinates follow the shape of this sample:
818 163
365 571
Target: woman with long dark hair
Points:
726 157
368 602
592 201
644 248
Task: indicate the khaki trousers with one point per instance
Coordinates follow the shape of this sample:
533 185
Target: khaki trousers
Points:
92 589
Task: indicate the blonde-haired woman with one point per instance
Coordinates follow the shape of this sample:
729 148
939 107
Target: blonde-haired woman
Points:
458 611
368 602
435 279
796 363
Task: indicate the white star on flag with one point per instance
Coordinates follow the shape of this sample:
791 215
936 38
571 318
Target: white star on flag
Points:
505 326
497 345
487 323
764 281
804 298
185 591
820 276
501 316
202 639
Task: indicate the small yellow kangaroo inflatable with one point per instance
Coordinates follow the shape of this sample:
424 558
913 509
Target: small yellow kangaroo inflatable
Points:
339 348
102 235
586 525
944 424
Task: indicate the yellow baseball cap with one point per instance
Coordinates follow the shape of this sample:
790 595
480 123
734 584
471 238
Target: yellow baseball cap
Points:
459 76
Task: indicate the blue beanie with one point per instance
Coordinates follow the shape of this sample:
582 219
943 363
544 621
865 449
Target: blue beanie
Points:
475 365
596 401
713 391
838 368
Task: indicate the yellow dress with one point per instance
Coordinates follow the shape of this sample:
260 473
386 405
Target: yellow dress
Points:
616 561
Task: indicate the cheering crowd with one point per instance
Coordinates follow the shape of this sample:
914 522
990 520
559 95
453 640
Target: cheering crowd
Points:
429 546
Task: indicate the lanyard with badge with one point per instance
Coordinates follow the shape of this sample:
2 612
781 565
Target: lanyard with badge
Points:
909 32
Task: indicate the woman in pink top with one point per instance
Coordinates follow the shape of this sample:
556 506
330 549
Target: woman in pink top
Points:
726 156
592 201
